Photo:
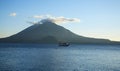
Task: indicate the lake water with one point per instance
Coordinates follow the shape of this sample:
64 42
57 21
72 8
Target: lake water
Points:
50 57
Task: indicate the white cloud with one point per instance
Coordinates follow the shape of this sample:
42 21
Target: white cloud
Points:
57 20
13 14
34 22
64 20
37 16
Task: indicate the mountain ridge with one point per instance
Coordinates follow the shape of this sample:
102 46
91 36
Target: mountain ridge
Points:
49 32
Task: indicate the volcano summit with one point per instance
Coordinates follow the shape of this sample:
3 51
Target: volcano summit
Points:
49 32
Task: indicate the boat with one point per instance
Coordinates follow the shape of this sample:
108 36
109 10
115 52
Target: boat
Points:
64 44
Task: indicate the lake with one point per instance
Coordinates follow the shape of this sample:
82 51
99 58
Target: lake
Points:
51 57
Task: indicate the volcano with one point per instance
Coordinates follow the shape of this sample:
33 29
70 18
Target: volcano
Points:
49 32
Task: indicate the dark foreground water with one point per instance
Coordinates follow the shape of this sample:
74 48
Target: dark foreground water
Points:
41 57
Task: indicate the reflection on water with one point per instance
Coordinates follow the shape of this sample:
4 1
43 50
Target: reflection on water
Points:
41 57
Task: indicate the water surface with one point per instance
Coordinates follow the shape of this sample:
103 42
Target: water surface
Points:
51 57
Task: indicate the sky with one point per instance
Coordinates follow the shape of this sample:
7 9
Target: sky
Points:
96 18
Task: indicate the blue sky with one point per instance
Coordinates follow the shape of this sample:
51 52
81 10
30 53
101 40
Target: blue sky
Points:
98 18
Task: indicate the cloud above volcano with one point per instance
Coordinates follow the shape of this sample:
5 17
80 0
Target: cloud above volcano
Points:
57 20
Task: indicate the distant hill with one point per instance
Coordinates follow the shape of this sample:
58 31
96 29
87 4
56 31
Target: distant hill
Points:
49 32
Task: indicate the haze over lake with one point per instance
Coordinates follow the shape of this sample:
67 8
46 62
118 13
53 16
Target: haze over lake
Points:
51 57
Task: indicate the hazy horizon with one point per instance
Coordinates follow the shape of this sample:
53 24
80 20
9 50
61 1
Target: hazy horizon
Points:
90 18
